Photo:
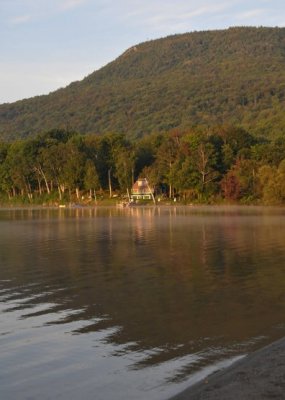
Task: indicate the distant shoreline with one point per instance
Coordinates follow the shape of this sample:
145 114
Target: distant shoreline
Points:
99 205
259 375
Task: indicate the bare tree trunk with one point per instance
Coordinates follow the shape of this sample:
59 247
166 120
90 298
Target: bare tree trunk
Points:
170 185
203 180
151 193
170 190
45 179
133 176
28 190
110 182
30 194
77 193
128 193
39 185
59 192
46 183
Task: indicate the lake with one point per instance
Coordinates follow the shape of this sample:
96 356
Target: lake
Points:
134 303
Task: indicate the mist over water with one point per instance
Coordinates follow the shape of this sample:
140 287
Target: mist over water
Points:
134 304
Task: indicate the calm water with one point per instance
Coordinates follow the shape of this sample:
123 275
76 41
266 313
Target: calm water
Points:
134 304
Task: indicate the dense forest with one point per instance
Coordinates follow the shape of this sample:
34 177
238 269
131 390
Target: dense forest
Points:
225 164
234 76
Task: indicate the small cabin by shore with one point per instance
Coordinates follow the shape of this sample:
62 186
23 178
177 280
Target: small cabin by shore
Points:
141 190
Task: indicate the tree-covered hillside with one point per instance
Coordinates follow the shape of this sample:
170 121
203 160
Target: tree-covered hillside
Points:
233 76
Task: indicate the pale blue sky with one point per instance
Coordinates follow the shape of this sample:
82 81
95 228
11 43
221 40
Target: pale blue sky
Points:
46 44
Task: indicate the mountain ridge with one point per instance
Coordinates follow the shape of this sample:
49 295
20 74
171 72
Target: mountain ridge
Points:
232 76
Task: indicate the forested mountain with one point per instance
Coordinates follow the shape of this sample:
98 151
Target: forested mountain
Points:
234 76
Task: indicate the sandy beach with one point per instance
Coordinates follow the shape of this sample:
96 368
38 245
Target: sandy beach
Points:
260 375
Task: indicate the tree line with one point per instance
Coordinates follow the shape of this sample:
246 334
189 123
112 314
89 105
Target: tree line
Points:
221 164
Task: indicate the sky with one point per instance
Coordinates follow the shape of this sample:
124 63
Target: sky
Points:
47 44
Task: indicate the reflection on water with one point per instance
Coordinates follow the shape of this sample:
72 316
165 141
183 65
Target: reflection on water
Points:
132 304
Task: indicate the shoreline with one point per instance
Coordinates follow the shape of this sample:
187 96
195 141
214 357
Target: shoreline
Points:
148 205
259 375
